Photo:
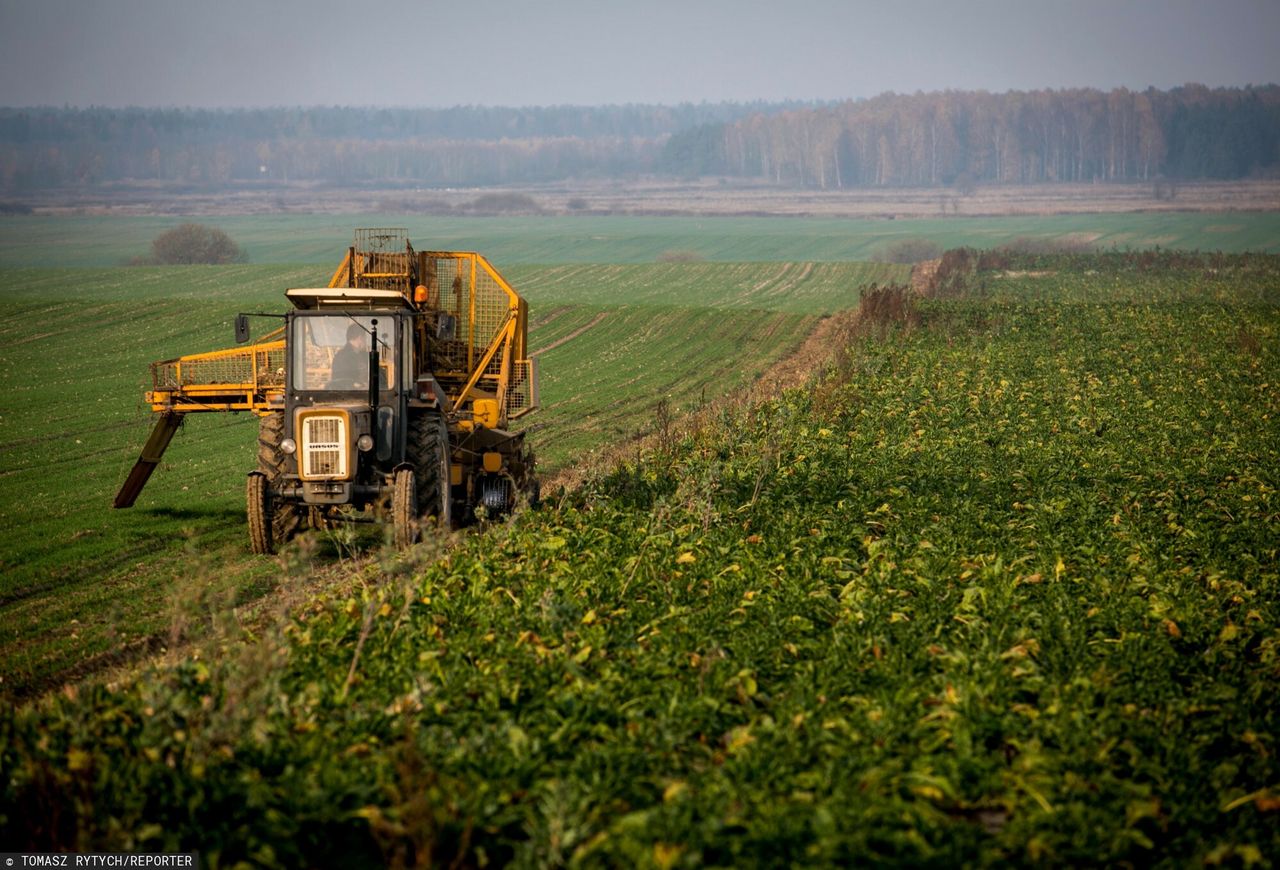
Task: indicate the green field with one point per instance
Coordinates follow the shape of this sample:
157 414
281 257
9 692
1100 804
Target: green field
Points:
109 241
1003 588
83 585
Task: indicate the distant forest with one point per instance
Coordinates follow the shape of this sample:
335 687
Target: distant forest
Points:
954 138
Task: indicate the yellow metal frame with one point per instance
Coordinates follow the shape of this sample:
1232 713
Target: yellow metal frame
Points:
176 387
508 342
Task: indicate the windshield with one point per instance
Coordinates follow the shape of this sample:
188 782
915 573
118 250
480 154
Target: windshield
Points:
331 352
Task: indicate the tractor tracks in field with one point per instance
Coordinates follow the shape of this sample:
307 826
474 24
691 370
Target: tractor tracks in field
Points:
797 368
595 321
308 580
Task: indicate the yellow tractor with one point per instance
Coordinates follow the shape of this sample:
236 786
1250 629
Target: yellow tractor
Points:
391 390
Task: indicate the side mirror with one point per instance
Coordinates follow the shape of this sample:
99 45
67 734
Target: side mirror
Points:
242 328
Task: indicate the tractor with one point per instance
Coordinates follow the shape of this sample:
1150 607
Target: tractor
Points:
387 395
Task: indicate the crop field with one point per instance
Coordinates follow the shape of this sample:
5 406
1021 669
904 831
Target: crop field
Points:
1002 587
83 586
109 241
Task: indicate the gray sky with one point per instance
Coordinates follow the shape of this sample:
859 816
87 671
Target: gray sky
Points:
545 52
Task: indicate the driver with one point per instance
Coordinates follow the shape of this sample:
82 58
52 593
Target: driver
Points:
351 363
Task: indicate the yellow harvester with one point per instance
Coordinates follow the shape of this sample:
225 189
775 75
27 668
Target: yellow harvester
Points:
391 389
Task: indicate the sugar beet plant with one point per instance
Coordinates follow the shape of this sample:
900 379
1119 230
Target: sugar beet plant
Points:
1001 588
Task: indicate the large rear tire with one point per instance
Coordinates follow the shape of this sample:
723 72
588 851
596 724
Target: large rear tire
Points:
284 518
420 494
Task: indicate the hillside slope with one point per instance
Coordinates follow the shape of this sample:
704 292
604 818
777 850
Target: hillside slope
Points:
1001 588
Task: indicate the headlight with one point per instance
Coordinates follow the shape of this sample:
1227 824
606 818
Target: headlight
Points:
365 443
288 445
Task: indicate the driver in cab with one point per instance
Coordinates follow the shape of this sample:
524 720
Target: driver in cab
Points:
351 363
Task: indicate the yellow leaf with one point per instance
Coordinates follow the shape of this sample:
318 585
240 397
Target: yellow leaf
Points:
685 558
673 791
590 618
738 739
665 855
385 609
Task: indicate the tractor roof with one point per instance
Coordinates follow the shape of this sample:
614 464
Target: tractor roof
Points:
346 297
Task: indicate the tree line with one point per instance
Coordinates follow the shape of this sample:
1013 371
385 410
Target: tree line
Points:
965 137
945 138
47 147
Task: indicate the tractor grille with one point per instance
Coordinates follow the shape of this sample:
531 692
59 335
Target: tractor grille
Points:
324 446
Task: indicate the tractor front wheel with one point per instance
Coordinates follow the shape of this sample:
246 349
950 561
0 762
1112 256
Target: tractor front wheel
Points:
285 519
404 507
258 504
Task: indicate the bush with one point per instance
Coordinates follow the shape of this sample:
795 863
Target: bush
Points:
908 251
194 243
680 256
1071 243
890 305
503 204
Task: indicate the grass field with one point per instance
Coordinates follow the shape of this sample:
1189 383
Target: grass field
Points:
1002 589
109 241
80 582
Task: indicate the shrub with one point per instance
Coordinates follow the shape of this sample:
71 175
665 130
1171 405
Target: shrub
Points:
503 203
908 251
675 256
890 305
1070 243
194 243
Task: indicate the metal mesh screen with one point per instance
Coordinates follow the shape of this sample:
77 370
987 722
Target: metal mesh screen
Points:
236 368
479 306
382 239
521 392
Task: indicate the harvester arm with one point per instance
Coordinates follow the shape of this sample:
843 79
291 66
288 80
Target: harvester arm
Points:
237 379
161 435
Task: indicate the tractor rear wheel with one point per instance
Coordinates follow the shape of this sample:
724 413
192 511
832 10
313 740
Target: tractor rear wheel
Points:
284 518
420 493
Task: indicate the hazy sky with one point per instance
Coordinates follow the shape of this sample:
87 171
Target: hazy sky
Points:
543 52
